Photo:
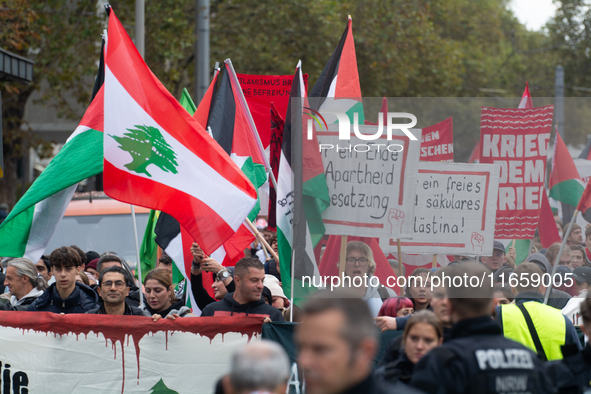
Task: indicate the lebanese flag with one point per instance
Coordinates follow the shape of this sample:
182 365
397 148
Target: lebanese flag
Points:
565 183
157 156
331 257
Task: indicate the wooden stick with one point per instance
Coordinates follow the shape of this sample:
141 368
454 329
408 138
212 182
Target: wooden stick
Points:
399 257
513 244
343 256
434 260
263 241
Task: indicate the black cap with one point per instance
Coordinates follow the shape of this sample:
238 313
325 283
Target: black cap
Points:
582 274
499 246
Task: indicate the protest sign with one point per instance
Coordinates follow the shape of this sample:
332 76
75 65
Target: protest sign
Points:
371 183
437 142
455 210
262 90
517 139
48 353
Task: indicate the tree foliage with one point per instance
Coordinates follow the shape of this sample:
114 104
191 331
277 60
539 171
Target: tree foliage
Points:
420 48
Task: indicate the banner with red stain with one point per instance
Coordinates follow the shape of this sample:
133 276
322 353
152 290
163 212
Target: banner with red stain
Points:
47 353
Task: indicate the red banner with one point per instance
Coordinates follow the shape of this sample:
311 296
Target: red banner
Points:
262 90
437 142
517 139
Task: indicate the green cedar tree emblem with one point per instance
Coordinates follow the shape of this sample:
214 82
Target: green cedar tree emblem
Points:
146 145
160 388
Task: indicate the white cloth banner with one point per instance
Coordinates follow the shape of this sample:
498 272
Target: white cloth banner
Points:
371 183
48 353
455 210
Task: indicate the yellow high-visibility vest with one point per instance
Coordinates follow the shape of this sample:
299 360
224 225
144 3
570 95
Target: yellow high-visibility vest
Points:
549 323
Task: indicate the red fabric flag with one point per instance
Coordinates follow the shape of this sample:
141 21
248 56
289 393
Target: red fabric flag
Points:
547 226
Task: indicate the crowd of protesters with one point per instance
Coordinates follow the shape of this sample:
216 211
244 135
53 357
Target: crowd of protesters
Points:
498 337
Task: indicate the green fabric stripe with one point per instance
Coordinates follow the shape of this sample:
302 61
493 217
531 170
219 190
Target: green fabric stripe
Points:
316 200
187 102
149 248
284 254
568 192
256 174
357 108
521 250
14 235
79 159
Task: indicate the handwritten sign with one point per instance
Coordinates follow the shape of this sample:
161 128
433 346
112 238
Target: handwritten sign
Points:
455 209
371 183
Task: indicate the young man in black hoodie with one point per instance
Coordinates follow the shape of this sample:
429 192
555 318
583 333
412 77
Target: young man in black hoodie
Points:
249 274
65 295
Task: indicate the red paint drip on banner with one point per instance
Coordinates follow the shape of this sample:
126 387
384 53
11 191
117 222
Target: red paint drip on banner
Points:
115 328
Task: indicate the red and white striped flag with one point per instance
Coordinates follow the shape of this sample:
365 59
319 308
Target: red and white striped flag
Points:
159 157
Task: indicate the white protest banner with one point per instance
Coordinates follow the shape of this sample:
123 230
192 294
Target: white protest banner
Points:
371 183
455 210
43 352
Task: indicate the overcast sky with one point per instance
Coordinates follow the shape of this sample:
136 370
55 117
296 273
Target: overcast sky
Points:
533 13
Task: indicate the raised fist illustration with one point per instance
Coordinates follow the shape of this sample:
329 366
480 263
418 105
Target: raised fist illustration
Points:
477 241
396 219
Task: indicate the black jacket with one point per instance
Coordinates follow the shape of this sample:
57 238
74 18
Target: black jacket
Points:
399 370
23 306
129 310
572 374
82 299
202 297
479 359
228 306
394 346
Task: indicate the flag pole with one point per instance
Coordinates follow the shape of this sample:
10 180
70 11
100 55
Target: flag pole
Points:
137 253
292 275
253 127
399 247
564 239
343 258
263 241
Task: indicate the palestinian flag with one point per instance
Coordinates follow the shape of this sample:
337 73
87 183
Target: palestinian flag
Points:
338 86
526 98
584 205
586 153
565 184
32 222
176 242
231 129
300 168
202 113
157 156
547 226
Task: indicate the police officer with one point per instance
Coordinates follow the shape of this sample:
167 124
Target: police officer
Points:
572 374
477 358
530 322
